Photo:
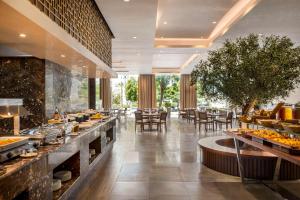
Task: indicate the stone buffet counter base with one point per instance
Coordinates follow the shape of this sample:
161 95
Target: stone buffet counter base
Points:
31 178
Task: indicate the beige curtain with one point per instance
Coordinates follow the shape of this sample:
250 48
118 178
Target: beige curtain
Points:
105 92
188 96
146 91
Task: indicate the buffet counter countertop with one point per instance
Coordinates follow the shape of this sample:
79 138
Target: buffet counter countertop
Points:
34 175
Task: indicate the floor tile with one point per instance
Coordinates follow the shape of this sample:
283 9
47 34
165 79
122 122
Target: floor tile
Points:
166 165
167 188
139 189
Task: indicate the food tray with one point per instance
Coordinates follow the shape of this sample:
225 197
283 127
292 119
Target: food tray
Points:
276 145
291 128
285 149
22 141
269 123
260 140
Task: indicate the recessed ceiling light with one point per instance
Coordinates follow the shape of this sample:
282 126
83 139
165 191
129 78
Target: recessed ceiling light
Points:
22 35
126 0
165 22
134 37
62 55
84 66
214 22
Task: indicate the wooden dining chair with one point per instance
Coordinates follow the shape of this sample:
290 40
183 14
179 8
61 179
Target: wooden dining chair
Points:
182 113
203 119
139 120
191 115
226 121
161 121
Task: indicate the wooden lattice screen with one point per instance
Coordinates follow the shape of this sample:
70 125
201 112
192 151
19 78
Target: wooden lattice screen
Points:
82 20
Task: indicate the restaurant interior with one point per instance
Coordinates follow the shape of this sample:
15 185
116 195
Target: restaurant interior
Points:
149 99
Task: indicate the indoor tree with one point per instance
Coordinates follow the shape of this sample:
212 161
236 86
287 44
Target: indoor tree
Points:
250 70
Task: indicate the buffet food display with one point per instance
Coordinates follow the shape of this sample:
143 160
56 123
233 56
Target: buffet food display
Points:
51 133
280 141
283 118
41 151
8 140
11 147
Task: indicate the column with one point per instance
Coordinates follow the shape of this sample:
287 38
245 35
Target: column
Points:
92 93
146 91
188 96
105 93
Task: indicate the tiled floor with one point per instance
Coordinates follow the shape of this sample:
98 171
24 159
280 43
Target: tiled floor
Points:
164 165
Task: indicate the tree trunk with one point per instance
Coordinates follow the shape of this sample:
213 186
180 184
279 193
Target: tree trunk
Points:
246 108
161 95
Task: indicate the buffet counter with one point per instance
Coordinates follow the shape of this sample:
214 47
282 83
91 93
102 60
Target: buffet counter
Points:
219 154
32 178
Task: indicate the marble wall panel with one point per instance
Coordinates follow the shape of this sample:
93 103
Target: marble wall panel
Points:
65 89
43 86
24 78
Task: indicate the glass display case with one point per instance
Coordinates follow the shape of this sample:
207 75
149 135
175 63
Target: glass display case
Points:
11 108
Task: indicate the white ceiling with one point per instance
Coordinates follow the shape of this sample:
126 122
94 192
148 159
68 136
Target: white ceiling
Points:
127 20
277 17
144 19
190 18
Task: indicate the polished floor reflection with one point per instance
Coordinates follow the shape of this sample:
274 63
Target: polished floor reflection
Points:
166 165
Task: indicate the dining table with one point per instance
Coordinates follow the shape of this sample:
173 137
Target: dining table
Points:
150 116
215 115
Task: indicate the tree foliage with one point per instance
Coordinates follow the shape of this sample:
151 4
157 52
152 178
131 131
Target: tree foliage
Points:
167 87
162 83
116 100
172 91
250 70
131 90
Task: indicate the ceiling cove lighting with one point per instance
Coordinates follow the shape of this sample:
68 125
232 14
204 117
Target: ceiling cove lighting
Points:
219 28
22 35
